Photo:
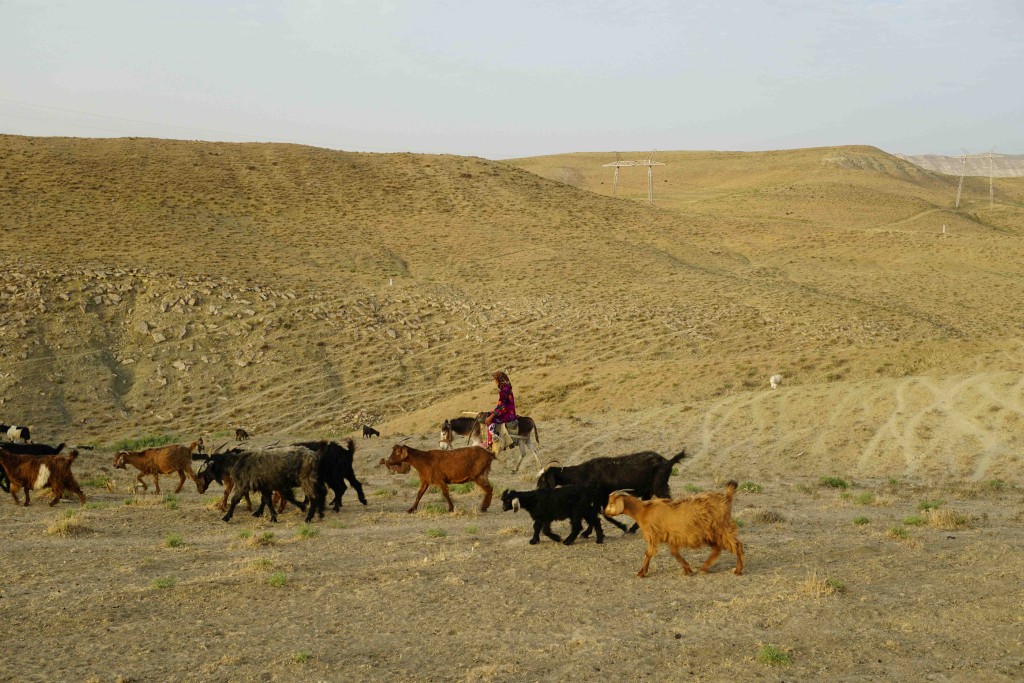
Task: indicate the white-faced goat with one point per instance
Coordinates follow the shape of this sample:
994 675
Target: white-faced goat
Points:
645 473
548 505
278 469
694 522
14 433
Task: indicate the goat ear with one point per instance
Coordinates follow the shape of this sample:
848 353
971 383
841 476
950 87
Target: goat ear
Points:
515 505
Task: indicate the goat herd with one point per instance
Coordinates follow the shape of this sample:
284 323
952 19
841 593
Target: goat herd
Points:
636 485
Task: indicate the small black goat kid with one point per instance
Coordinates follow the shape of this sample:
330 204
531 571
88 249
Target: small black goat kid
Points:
645 474
548 505
369 431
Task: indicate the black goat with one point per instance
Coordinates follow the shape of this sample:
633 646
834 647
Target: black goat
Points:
336 467
645 474
216 468
547 505
278 469
369 431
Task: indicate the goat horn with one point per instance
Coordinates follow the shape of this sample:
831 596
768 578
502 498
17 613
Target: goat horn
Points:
217 449
622 492
405 439
550 463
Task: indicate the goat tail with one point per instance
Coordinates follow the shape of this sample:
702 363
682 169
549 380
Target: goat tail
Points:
677 457
536 434
730 489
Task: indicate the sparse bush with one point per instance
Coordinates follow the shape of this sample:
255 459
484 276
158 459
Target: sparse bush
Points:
866 498
174 541
914 520
692 488
163 582
750 487
898 532
948 520
277 579
822 586
461 488
861 521
139 443
834 482
100 482
384 493
301 657
171 501
69 524
472 530
771 655
434 532
996 485
926 505
261 540
307 531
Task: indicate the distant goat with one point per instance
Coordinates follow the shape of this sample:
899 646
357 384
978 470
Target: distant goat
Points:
704 519
775 381
369 431
645 473
241 435
160 460
440 468
278 469
14 433
35 472
547 505
336 467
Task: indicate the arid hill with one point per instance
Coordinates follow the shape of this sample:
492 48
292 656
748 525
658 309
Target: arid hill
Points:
168 286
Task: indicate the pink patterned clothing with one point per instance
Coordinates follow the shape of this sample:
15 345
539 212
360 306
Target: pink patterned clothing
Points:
505 411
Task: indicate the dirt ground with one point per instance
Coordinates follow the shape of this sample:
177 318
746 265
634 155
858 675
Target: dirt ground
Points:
148 587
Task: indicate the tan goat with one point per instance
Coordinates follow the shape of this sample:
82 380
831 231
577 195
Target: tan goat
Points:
161 460
694 522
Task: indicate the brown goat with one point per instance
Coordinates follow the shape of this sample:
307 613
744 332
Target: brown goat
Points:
161 460
440 468
694 522
34 472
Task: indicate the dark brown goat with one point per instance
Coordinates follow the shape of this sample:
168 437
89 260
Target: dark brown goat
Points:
440 468
35 472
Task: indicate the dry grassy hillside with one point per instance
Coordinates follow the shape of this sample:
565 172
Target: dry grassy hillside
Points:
162 286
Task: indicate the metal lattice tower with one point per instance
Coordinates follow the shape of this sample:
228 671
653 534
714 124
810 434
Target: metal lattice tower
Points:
963 169
648 162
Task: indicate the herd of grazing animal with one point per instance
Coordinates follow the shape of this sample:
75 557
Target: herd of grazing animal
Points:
635 485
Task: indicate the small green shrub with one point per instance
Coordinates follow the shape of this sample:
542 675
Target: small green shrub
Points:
307 531
277 579
995 485
301 657
435 532
866 498
264 539
693 488
926 505
773 656
750 487
174 541
914 520
836 585
171 501
898 532
141 442
861 521
163 582
244 534
100 482
461 488
472 530
834 482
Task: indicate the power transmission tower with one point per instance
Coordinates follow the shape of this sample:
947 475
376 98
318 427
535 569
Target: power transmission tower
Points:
648 162
991 192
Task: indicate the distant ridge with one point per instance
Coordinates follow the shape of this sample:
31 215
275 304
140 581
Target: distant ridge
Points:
1003 165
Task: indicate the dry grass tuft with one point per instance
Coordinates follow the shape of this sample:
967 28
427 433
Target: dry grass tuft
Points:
70 525
821 586
947 519
762 516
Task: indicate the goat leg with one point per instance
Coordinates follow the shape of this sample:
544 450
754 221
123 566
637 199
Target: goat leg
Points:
27 489
358 487
536 533
623 527
575 526
652 548
419 494
234 501
483 483
156 480
686 566
712 558
145 486
181 484
551 534
447 496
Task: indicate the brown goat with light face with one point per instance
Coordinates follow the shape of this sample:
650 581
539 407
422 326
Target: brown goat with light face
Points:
694 522
35 472
440 468
161 460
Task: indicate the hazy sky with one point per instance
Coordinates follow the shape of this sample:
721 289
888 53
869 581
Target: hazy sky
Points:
510 78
